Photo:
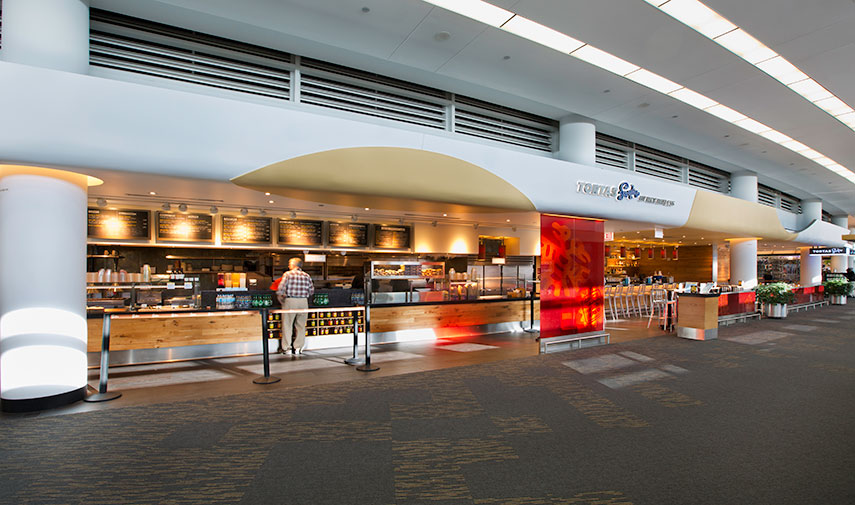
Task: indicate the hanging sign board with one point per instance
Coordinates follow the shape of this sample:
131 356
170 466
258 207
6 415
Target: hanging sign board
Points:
122 224
829 251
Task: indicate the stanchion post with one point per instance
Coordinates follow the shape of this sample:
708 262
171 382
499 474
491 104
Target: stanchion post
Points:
367 274
265 335
102 395
355 359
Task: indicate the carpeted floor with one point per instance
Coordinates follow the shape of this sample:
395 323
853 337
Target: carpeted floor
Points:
765 415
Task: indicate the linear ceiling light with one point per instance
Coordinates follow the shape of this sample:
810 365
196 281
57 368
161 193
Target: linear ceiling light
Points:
709 23
478 10
706 21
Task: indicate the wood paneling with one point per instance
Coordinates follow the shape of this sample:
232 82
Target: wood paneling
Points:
697 312
154 333
694 264
449 315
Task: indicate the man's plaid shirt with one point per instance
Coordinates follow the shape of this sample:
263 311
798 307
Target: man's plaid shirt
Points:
295 284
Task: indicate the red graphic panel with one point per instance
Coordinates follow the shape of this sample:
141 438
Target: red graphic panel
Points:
736 303
572 266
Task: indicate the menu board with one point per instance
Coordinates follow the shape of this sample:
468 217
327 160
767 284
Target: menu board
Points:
391 237
177 227
306 233
246 230
118 224
348 235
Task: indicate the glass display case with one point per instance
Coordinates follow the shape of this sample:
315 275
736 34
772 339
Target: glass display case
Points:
406 281
407 270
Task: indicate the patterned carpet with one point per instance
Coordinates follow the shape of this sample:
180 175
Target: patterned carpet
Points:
763 415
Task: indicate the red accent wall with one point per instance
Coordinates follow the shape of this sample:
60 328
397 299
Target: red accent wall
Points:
736 303
572 267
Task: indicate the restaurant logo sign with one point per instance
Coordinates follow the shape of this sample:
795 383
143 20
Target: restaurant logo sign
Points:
622 192
829 251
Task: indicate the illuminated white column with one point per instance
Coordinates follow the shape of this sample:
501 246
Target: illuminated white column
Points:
43 289
839 263
577 141
47 33
743 262
811 268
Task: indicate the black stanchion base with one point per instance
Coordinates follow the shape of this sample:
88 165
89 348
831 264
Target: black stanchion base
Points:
102 397
266 380
368 368
355 361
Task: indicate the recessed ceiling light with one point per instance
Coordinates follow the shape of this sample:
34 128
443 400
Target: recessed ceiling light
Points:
152 193
267 193
269 201
653 81
726 113
833 106
444 214
441 36
604 60
698 16
366 208
365 10
750 49
506 57
775 136
795 145
508 220
643 105
782 70
476 9
693 98
752 125
542 35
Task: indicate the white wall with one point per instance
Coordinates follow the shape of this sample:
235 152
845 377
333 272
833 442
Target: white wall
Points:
463 239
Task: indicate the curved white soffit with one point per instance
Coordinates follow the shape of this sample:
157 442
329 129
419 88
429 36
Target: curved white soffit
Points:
552 185
821 233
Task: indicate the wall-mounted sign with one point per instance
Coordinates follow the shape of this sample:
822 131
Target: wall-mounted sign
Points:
246 230
622 192
293 232
391 237
829 251
609 236
176 227
348 235
119 224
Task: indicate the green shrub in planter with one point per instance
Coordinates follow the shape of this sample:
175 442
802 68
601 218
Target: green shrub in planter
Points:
837 287
775 293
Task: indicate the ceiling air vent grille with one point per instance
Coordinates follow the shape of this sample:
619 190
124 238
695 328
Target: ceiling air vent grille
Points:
704 177
129 44
791 203
612 156
767 196
368 77
341 95
502 130
658 167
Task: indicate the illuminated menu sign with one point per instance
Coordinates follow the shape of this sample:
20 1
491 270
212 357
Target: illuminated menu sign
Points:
176 227
246 230
302 233
392 237
348 235
119 224
828 251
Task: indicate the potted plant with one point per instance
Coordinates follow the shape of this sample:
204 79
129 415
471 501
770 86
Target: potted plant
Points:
775 297
837 290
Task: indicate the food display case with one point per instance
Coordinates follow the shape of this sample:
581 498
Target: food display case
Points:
407 270
406 281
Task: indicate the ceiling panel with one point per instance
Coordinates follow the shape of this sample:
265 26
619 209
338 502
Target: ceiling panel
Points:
426 46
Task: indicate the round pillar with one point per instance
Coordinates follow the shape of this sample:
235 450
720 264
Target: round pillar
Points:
577 141
43 290
47 33
743 185
840 263
743 262
811 268
811 211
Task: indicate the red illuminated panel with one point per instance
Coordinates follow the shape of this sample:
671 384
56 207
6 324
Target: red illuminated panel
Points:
736 303
571 272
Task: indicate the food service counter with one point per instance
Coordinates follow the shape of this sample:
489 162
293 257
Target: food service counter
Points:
205 333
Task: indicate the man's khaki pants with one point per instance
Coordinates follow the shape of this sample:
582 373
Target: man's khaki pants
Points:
290 321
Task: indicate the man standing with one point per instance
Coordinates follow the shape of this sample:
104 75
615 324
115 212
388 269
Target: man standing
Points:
293 293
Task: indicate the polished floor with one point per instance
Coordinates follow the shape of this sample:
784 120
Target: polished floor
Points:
763 415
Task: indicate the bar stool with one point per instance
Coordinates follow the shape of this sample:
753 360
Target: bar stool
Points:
609 302
657 304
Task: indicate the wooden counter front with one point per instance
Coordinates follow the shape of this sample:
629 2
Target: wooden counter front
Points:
448 315
159 332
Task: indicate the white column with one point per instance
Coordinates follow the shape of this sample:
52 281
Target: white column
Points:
743 185
47 33
852 258
43 289
811 211
811 268
839 263
743 262
577 141
743 252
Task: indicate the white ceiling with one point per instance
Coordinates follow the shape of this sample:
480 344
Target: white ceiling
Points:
396 37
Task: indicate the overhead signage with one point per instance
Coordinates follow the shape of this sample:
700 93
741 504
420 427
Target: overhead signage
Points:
348 235
608 236
829 251
623 192
246 230
294 232
122 224
658 232
177 227
391 237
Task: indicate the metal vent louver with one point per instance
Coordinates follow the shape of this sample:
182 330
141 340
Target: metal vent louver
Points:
767 196
658 164
704 177
612 156
346 96
126 43
490 121
308 64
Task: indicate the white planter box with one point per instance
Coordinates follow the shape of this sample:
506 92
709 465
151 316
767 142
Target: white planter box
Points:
838 299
